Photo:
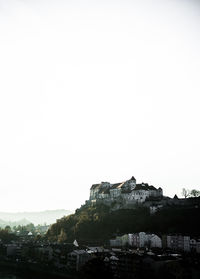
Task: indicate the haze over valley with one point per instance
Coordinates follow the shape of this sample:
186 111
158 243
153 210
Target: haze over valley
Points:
37 217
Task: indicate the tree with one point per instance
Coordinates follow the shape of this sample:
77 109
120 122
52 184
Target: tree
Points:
62 236
8 228
7 236
185 193
30 227
194 193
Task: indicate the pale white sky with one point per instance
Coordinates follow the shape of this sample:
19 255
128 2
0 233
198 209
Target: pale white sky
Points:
95 91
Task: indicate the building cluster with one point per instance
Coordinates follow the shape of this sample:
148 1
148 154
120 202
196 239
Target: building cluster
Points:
36 255
138 240
126 262
182 243
126 256
128 192
144 240
134 263
30 229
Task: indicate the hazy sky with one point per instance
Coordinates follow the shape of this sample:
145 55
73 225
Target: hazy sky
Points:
95 91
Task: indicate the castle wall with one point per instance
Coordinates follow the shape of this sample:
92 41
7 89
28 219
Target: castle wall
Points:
127 192
114 193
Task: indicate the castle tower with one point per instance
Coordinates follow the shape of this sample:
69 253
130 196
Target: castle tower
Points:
160 191
131 183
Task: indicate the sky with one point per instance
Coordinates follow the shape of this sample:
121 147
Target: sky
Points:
95 91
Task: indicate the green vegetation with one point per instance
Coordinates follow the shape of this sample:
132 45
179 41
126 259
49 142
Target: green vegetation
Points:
6 236
27 228
98 223
190 193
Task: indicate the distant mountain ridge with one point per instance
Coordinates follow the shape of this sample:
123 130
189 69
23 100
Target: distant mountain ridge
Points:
40 217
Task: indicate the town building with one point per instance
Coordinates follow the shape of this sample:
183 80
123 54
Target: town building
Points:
137 240
77 258
180 243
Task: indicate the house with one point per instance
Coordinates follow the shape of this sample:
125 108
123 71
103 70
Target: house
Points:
180 243
193 244
198 246
155 241
138 240
134 240
116 242
77 258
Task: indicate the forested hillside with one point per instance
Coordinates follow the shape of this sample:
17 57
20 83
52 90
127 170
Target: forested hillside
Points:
98 223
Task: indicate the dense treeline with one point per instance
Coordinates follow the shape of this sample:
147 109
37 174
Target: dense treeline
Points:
6 236
99 223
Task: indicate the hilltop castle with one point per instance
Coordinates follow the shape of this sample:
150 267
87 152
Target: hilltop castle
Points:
128 192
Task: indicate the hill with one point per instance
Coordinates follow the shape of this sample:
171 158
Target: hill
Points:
100 223
40 217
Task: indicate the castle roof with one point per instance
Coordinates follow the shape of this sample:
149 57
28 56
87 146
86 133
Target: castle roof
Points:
133 178
117 185
141 187
122 186
152 188
95 186
144 186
